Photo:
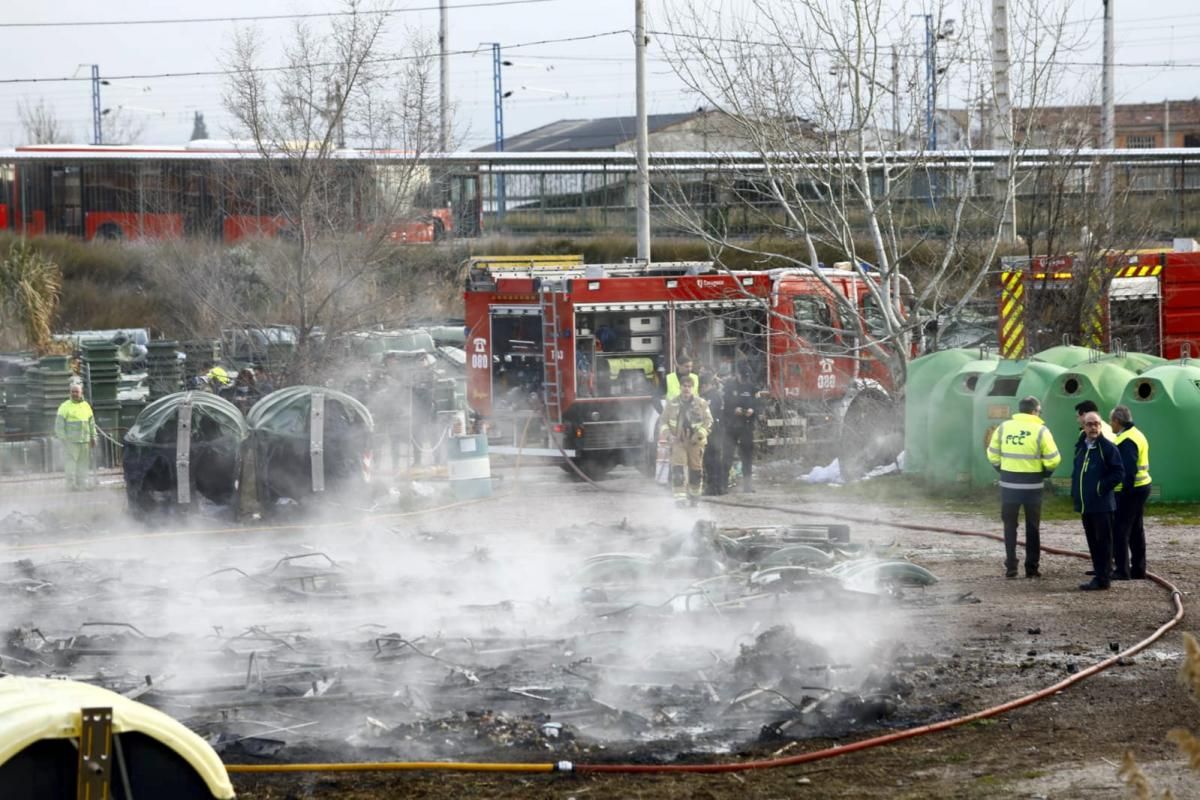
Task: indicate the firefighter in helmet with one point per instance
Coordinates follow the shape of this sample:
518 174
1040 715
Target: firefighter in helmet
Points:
688 421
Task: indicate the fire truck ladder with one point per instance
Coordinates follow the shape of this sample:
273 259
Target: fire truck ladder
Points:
551 377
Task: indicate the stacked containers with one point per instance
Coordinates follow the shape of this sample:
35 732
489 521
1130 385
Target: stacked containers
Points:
165 373
948 422
996 400
1165 402
16 406
101 373
48 385
1102 381
924 374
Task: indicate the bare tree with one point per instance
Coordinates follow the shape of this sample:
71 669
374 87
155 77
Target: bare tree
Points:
335 214
39 122
119 126
831 98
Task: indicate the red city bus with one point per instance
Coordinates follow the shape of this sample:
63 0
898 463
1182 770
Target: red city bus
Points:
210 190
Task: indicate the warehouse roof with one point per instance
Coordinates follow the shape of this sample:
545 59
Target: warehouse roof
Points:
605 133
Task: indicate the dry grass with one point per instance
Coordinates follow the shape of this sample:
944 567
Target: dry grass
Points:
1189 675
30 284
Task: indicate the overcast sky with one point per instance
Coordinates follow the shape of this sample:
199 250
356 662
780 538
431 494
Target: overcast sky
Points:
592 77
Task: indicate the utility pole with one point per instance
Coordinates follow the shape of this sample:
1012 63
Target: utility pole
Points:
97 128
497 97
1108 133
930 82
444 68
643 134
498 109
1002 123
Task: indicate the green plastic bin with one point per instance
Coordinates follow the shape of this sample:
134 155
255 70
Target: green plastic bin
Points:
1100 381
948 423
924 374
1165 402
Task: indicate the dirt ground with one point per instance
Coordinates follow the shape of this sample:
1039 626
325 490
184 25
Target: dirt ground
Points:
972 641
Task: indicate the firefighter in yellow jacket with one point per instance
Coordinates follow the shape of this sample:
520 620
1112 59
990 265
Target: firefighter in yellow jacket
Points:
688 421
75 427
1024 453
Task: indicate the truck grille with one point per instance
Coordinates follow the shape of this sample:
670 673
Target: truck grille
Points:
614 435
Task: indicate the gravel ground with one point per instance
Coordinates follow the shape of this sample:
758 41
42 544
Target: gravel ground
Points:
981 640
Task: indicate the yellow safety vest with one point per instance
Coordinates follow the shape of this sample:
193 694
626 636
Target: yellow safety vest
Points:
1023 449
75 422
218 375
1142 476
617 364
673 384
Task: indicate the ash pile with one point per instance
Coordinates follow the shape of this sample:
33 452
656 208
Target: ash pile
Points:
423 644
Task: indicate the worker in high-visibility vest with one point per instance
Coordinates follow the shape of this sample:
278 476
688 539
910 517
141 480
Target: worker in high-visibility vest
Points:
683 373
1129 532
1024 453
75 427
218 378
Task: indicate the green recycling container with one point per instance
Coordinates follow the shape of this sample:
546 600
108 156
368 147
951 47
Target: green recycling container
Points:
996 400
924 373
1165 402
948 423
1135 362
1065 355
1101 381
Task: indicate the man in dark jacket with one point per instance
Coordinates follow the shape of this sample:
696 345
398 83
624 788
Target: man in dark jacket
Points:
1097 472
716 470
742 408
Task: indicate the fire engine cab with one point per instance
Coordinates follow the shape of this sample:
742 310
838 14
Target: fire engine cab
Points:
571 359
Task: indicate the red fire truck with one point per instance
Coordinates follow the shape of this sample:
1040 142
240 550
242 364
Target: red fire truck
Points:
571 360
1152 303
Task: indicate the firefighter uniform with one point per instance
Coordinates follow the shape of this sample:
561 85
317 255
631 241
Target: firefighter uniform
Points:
1023 451
688 422
75 427
1129 532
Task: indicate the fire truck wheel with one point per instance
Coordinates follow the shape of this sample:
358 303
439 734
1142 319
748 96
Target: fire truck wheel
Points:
872 435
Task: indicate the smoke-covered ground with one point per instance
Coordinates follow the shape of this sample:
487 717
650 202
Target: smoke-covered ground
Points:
555 621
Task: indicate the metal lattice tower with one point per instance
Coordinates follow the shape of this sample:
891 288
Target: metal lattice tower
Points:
97 129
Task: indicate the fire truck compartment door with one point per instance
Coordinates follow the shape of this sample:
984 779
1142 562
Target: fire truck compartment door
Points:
1134 289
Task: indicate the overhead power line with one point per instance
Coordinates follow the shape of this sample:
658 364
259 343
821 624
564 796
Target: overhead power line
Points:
261 17
882 49
383 60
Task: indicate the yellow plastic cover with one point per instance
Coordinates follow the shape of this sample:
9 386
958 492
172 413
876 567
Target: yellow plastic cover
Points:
32 709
